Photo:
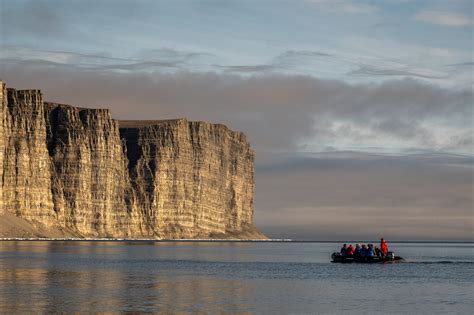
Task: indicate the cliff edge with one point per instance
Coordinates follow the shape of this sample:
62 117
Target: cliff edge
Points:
70 171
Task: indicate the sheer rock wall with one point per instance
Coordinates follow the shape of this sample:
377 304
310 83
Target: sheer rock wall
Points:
190 177
3 127
81 171
26 178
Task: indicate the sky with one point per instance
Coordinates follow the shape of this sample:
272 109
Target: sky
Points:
360 112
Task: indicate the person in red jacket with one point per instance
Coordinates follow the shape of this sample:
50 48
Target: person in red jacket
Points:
383 247
350 250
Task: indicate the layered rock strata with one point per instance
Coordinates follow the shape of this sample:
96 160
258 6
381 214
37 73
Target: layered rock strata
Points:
79 170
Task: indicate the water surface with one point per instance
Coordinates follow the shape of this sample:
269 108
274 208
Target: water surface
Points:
281 278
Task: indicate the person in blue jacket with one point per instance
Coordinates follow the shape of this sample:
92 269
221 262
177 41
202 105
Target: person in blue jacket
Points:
370 251
344 250
357 251
363 251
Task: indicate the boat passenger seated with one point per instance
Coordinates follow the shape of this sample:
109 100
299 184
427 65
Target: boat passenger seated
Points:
350 250
363 251
370 251
378 253
344 250
357 251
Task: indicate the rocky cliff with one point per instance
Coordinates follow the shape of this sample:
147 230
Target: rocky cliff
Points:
79 171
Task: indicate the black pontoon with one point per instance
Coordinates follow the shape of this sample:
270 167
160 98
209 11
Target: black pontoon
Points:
389 258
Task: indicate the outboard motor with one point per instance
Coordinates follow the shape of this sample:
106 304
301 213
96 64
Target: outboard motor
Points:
390 256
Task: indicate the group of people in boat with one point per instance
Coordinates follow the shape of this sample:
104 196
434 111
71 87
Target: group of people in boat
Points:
365 251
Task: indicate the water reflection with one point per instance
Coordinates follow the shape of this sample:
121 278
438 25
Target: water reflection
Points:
56 277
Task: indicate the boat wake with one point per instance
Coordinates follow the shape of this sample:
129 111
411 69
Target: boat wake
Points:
440 262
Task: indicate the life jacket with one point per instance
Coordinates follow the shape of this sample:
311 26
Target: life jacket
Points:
384 247
350 250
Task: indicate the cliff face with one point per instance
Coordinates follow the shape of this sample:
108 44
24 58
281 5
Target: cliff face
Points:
190 177
26 178
81 171
89 179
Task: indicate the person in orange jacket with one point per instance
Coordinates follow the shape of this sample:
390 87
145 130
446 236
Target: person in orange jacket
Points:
383 247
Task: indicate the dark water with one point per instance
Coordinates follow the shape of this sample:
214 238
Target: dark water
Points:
269 278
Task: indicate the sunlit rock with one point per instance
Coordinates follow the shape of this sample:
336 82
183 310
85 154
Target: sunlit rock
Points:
79 171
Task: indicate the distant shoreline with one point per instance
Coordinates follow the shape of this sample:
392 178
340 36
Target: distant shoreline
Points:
39 239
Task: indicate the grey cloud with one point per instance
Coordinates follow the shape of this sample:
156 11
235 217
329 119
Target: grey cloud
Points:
139 66
85 66
31 18
249 68
303 53
78 58
291 58
281 61
299 60
465 139
462 64
169 53
38 63
405 129
352 195
385 25
376 71
74 58
143 61
278 112
45 23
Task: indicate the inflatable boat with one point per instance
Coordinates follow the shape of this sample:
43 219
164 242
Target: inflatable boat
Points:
389 258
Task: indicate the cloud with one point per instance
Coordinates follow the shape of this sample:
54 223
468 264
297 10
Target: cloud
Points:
287 60
443 18
278 112
378 71
306 53
358 8
249 68
353 195
31 18
355 68
142 61
462 64
140 66
325 63
169 54
290 58
345 6
59 57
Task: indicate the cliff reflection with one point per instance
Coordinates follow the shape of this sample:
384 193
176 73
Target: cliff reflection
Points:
55 277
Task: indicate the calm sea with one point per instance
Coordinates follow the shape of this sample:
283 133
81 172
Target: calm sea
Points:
265 278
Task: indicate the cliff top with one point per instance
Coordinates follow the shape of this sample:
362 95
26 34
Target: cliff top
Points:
143 123
77 108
